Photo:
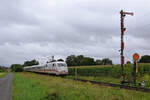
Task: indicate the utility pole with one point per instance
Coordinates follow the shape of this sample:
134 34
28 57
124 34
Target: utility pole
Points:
123 14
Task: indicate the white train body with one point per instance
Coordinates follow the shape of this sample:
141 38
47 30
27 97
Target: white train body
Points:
57 68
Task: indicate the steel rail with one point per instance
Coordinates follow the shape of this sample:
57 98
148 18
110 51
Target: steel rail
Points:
142 89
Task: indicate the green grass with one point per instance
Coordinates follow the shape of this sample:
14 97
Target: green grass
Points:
27 89
2 74
30 86
98 79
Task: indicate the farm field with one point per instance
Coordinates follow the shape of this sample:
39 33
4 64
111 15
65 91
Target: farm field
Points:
31 86
110 73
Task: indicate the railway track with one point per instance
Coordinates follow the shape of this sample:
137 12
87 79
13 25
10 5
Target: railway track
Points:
142 89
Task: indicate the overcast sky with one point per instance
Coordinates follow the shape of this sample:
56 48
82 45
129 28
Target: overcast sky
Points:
36 29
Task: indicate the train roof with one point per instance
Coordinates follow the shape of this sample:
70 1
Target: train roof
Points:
44 64
33 66
59 62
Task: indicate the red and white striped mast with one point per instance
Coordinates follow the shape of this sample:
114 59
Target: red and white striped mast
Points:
123 14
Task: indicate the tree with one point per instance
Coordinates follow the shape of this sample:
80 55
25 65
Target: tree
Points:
128 62
98 62
3 69
16 68
71 60
30 63
87 61
106 61
78 59
145 59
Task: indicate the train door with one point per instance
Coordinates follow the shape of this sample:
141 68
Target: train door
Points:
54 68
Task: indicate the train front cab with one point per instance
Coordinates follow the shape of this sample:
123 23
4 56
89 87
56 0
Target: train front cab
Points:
62 68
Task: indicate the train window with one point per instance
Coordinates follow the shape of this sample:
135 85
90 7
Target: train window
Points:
53 65
62 65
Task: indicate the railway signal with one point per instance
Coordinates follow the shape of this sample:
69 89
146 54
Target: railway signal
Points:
136 56
123 29
135 67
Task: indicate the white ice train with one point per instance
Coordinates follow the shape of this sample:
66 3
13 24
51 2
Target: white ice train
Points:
56 68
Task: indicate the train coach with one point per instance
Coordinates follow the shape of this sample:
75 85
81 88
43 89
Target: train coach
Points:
55 68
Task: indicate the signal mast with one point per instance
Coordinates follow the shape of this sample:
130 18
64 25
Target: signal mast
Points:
123 14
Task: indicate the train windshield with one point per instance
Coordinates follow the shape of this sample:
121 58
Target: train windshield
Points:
62 65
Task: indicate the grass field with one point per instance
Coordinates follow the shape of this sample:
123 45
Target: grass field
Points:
2 74
30 86
98 78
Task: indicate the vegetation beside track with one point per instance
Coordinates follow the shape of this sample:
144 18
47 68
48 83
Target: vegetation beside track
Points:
109 70
2 74
97 79
30 86
111 73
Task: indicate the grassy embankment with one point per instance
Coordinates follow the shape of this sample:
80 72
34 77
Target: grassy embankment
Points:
2 74
30 86
110 73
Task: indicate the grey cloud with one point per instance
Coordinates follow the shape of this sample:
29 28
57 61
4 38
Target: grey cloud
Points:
11 12
31 28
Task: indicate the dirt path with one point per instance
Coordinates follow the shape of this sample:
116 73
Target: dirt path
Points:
5 87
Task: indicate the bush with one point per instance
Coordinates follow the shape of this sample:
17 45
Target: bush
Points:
2 69
145 59
16 68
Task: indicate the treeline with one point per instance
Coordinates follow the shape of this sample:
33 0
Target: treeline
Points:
3 69
145 59
81 60
73 60
19 67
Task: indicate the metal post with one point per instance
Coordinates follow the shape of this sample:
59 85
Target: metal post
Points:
134 73
122 57
123 14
